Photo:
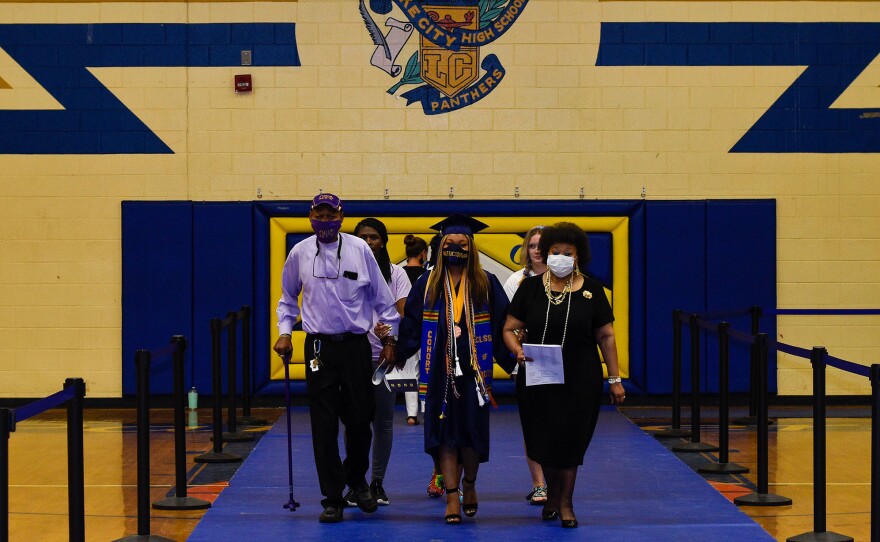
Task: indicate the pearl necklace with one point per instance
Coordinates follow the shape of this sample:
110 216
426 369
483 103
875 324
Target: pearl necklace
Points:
553 300
557 297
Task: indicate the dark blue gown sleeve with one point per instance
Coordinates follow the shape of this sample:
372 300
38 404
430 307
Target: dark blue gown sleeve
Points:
409 339
498 303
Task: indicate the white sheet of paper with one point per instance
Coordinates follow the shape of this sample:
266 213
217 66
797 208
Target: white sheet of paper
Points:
547 365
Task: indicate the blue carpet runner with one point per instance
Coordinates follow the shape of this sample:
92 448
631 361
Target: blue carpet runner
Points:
630 488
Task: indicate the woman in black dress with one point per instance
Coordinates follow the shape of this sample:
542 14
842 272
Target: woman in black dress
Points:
564 307
454 316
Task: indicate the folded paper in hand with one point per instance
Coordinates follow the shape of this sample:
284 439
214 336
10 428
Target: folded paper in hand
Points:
546 367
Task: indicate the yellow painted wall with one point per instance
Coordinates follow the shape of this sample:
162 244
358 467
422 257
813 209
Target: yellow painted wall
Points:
556 125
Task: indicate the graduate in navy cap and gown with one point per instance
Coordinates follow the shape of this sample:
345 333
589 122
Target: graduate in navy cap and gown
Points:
454 315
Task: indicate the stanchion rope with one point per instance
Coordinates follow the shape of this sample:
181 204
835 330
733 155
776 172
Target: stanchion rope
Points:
166 350
842 364
722 315
789 349
228 321
708 326
741 336
848 366
42 405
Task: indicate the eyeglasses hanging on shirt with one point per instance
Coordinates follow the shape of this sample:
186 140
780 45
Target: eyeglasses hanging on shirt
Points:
338 262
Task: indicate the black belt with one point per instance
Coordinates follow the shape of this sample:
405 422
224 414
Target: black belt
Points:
338 337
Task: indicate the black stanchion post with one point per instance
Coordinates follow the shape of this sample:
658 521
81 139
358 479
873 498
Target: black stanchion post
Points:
76 498
142 360
695 445
755 312
217 455
817 358
875 451
232 434
7 425
762 497
180 501
246 418
142 364
723 466
752 418
676 431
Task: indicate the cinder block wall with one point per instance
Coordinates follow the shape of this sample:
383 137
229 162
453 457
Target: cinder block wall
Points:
557 126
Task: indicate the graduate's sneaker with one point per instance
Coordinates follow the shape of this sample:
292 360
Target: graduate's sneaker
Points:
379 493
436 488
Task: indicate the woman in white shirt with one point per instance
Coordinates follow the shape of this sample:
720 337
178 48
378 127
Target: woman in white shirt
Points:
532 265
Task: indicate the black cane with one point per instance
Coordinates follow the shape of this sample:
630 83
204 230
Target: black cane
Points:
291 504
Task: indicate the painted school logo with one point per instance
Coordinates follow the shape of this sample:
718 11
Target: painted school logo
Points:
447 65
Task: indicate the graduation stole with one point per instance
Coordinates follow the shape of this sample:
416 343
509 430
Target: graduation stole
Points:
479 329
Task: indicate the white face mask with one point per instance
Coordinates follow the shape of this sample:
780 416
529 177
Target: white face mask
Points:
560 264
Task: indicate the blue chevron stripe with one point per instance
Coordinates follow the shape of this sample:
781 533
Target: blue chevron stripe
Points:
801 120
93 120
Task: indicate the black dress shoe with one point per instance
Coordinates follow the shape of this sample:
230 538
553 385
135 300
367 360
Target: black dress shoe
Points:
331 514
548 515
365 500
568 523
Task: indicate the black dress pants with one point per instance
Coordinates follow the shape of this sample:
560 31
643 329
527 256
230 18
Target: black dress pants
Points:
341 390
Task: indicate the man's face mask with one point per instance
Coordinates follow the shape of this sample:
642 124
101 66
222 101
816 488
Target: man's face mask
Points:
326 230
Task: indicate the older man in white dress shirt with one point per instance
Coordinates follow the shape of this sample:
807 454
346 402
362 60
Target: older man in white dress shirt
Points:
341 285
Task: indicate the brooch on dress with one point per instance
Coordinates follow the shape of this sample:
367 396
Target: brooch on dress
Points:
588 294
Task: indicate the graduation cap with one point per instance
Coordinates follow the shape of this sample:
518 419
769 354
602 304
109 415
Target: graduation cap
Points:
459 223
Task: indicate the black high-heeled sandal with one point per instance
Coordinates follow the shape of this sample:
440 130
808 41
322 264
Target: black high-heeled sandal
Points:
568 523
452 519
469 509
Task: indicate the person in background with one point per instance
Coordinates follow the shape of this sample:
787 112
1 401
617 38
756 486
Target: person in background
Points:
564 307
530 258
433 249
454 315
342 289
374 233
533 265
416 257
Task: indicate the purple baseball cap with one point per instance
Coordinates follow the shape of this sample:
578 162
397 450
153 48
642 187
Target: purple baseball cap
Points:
327 199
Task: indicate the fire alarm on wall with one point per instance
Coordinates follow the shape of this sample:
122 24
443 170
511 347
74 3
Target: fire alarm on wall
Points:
243 83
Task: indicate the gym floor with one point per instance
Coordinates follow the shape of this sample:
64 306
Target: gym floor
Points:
38 470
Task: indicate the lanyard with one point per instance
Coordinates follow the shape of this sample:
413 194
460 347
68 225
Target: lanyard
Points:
338 250
458 297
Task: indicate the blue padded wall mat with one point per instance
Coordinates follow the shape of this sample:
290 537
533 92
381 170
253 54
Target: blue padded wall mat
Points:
156 285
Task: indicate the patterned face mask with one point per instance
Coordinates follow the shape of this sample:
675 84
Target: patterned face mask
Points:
326 230
454 255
